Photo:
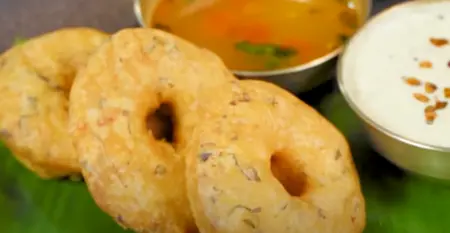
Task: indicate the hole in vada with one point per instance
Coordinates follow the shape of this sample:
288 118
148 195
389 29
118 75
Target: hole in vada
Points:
288 174
161 123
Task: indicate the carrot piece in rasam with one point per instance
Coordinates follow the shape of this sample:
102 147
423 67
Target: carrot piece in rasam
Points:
218 23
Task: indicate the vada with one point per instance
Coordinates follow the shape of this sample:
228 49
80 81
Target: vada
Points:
133 176
263 161
35 81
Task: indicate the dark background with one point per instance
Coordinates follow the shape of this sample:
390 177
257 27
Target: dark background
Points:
26 18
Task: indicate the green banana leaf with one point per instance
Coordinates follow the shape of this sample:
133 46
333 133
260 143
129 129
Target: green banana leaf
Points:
396 202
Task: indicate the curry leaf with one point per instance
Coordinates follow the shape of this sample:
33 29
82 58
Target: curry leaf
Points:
265 49
283 52
255 49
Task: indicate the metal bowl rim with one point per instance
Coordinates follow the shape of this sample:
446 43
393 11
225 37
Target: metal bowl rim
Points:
261 74
365 117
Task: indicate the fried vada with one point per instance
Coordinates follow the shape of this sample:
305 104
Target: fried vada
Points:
263 161
35 80
133 176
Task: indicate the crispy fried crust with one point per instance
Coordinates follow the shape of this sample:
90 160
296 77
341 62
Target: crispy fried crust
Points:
241 140
35 79
253 132
133 177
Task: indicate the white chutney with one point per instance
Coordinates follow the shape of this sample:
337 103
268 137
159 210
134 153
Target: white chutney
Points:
390 47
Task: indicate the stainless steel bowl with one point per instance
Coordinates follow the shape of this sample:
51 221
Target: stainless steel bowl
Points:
416 157
296 79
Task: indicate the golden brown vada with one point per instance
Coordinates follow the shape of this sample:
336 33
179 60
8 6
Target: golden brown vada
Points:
263 161
132 176
35 80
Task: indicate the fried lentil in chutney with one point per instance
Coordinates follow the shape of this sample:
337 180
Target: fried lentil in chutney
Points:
260 34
